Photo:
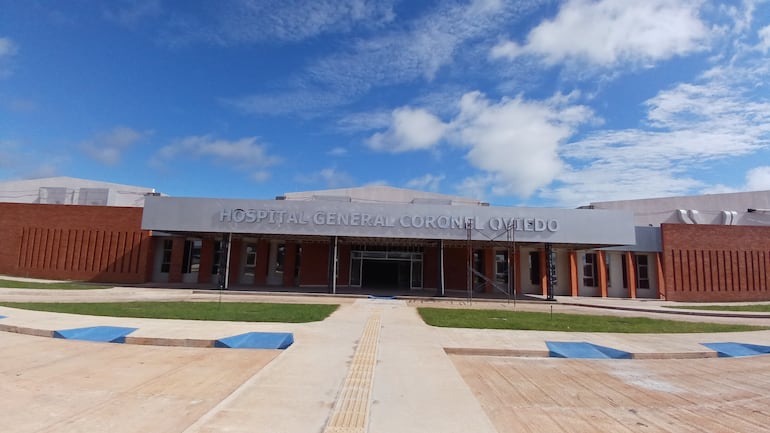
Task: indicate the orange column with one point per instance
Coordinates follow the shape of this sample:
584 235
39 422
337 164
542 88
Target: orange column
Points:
543 273
631 273
602 268
573 273
659 276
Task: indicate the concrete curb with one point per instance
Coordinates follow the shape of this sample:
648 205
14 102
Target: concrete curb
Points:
514 353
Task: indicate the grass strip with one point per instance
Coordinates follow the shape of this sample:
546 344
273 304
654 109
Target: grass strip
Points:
225 311
754 308
521 320
13 284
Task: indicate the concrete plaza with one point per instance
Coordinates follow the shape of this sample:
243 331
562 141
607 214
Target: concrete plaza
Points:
372 366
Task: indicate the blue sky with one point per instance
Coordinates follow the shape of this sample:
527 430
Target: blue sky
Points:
538 103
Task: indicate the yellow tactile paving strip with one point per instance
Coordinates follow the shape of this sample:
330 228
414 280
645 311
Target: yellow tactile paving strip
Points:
351 411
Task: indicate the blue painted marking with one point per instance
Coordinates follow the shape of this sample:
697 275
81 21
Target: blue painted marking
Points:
731 349
257 340
2 317
381 297
583 350
108 334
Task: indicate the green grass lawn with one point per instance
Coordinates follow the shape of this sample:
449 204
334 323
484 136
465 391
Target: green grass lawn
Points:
499 319
13 284
225 311
754 308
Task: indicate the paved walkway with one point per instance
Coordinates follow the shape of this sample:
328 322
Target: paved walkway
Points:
373 366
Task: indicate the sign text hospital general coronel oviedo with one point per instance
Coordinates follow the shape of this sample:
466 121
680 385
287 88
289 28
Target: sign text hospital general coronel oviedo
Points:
363 219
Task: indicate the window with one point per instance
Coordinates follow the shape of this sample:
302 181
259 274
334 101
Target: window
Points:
590 272
642 272
534 267
165 264
191 260
501 267
250 263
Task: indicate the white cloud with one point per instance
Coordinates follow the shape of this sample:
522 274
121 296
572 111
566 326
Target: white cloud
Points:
260 176
692 125
338 151
428 182
475 186
514 140
329 177
245 153
411 129
612 32
764 39
446 36
8 50
758 179
255 21
129 13
108 147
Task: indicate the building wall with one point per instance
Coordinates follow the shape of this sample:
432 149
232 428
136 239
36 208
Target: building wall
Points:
706 263
88 243
314 269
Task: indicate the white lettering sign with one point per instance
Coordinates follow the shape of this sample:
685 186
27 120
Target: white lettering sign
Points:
362 219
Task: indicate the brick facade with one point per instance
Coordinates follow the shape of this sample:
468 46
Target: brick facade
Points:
712 263
86 243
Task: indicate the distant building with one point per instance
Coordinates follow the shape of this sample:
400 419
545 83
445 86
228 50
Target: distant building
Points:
70 190
699 248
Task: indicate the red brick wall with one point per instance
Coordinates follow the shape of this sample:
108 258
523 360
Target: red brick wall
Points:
314 269
456 268
712 263
87 243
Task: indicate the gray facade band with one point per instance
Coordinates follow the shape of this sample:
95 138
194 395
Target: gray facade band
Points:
410 221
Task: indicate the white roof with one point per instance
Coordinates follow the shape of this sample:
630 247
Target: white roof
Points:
382 194
71 190
726 208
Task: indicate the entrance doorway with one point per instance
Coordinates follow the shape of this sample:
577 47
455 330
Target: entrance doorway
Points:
386 269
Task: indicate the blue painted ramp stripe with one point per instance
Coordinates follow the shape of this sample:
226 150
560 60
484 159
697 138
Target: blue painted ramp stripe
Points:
381 297
583 350
257 340
731 349
108 334
2 317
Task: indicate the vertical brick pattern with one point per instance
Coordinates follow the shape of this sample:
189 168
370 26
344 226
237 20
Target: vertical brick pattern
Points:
88 243
712 263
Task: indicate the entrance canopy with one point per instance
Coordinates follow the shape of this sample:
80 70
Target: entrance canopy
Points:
589 227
